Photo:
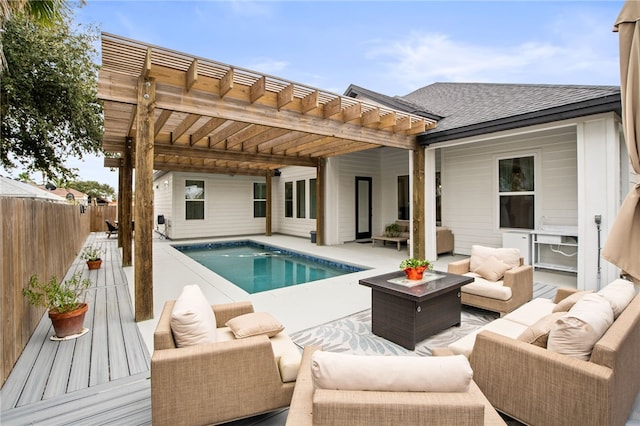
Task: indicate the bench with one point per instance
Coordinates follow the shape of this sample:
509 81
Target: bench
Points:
403 236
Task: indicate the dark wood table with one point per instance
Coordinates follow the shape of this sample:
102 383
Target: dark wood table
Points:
409 314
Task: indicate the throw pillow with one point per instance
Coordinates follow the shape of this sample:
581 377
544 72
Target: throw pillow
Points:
538 333
492 269
331 370
619 293
567 303
479 254
576 332
192 319
254 324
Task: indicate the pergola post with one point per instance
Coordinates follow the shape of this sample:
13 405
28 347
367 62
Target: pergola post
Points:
120 199
143 266
418 203
269 203
320 194
124 224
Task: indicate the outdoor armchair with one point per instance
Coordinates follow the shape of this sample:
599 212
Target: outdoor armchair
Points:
217 382
513 288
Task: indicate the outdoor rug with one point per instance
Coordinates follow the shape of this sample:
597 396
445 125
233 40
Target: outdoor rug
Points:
353 333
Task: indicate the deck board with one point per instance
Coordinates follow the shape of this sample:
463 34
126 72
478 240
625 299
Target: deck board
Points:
103 374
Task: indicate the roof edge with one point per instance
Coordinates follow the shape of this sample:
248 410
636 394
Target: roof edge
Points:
390 102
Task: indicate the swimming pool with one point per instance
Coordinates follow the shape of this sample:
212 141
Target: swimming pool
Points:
257 267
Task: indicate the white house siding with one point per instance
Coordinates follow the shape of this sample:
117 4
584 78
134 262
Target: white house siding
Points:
394 163
469 184
363 164
162 198
228 207
295 226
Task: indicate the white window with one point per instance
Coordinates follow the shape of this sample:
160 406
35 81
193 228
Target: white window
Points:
194 199
259 199
516 192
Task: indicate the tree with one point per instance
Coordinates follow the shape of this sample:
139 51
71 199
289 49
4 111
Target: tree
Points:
43 12
49 106
94 189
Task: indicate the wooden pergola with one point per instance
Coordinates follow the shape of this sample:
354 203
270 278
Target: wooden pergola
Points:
165 110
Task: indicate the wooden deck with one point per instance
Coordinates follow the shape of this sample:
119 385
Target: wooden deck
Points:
102 375
100 378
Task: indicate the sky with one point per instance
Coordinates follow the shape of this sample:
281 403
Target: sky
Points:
390 47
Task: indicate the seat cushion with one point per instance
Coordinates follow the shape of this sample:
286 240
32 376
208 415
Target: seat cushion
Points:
529 313
192 319
331 370
484 288
464 346
288 356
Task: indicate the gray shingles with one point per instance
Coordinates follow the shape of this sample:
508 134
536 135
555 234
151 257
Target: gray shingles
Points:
465 104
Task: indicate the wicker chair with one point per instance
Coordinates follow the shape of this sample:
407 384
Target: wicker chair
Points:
214 382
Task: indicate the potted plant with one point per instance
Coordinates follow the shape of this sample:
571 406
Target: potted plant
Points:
414 268
392 230
92 255
62 299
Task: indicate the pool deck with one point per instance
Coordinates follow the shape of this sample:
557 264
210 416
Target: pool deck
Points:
297 307
39 389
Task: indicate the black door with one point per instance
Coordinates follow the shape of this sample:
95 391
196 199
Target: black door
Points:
363 207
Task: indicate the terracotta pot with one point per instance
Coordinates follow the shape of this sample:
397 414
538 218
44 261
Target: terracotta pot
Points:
415 273
94 264
69 323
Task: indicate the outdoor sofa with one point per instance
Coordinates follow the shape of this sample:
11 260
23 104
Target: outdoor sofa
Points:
332 407
542 367
231 378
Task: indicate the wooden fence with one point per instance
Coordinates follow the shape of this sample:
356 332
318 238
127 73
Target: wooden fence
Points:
98 215
36 237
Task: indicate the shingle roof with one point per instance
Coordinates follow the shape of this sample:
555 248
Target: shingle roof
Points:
467 109
464 104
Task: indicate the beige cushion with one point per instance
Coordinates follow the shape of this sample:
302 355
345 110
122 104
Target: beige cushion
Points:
287 355
254 324
492 269
332 370
567 303
479 254
577 331
481 287
192 319
504 327
619 294
538 333
529 313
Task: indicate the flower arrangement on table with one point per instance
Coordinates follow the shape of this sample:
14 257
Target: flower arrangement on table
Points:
414 268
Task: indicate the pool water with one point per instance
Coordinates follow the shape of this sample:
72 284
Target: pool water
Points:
257 267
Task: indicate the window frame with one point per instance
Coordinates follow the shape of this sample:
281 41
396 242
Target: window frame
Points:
288 202
259 201
301 198
197 198
535 193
